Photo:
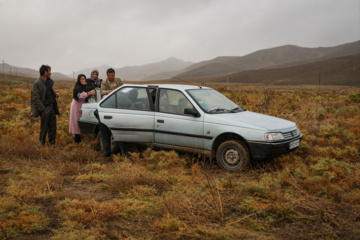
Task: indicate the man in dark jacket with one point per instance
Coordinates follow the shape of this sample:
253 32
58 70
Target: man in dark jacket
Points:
43 104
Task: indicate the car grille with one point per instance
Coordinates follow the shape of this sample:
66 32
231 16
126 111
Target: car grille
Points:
290 135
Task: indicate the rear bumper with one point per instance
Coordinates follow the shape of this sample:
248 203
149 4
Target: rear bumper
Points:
88 127
266 150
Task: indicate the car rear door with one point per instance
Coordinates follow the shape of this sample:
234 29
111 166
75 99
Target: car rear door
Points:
129 114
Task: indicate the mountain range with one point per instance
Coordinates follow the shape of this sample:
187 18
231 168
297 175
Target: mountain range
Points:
281 63
343 71
277 57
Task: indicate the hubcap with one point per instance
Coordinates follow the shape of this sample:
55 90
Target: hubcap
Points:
232 156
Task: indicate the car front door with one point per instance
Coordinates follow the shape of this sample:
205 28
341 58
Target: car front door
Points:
129 114
175 129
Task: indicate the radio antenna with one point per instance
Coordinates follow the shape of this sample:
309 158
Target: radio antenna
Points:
183 80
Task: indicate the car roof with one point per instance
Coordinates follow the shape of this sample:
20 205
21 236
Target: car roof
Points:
169 86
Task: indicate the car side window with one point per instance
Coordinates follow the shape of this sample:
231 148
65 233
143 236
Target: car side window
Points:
128 98
172 101
109 102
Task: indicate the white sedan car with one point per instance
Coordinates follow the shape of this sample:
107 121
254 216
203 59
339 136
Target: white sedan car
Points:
193 119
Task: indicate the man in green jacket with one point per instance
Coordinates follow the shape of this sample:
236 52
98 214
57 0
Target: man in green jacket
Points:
110 83
107 86
43 104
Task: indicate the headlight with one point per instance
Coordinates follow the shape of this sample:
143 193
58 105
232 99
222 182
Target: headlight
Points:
298 130
273 136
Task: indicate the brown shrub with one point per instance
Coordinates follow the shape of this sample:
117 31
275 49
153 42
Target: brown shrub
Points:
129 176
86 212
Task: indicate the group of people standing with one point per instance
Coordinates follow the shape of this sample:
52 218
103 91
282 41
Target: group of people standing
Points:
44 104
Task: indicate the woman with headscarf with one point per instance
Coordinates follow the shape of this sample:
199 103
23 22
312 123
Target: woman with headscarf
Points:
80 93
94 81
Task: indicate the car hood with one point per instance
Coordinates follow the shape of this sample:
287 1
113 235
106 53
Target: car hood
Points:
252 120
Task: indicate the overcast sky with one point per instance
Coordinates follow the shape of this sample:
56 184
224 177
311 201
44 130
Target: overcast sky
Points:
70 35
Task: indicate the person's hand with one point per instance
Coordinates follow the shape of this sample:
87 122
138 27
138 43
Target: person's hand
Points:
108 91
57 95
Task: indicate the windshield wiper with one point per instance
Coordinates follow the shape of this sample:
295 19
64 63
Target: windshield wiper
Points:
221 110
218 110
237 109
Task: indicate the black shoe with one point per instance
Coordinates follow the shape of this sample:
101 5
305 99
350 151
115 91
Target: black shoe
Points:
108 154
77 138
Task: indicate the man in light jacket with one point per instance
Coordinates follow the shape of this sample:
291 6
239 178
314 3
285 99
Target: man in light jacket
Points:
110 83
43 104
107 86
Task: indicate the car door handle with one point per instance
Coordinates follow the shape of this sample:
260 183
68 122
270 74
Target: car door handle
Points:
107 117
160 121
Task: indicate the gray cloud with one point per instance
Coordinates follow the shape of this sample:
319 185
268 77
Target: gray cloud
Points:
72 35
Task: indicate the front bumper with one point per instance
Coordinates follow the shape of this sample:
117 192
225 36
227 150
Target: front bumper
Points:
266 150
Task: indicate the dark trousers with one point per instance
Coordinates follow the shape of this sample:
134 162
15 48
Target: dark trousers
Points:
106 140
48 125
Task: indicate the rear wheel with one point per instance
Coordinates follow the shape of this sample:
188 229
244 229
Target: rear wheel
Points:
232 155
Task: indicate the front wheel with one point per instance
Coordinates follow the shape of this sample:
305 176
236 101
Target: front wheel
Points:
232 155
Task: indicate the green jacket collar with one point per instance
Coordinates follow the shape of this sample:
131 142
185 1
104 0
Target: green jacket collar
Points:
42 79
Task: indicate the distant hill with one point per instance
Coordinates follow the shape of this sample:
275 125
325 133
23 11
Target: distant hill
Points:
145 72
161 76
27 72
269 58
336 71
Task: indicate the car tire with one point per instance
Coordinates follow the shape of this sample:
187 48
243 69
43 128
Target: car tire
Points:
232 155
113 144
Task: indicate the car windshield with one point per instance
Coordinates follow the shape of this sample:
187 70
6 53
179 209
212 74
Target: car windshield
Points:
211 101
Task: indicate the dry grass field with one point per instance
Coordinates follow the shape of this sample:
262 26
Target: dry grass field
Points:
70 192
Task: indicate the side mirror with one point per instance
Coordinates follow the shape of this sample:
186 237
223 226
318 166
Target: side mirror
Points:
191 111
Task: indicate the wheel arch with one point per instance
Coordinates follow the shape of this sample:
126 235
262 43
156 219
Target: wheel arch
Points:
224 137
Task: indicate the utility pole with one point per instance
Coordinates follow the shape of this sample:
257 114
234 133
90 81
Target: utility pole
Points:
319 79
227 83
4 69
